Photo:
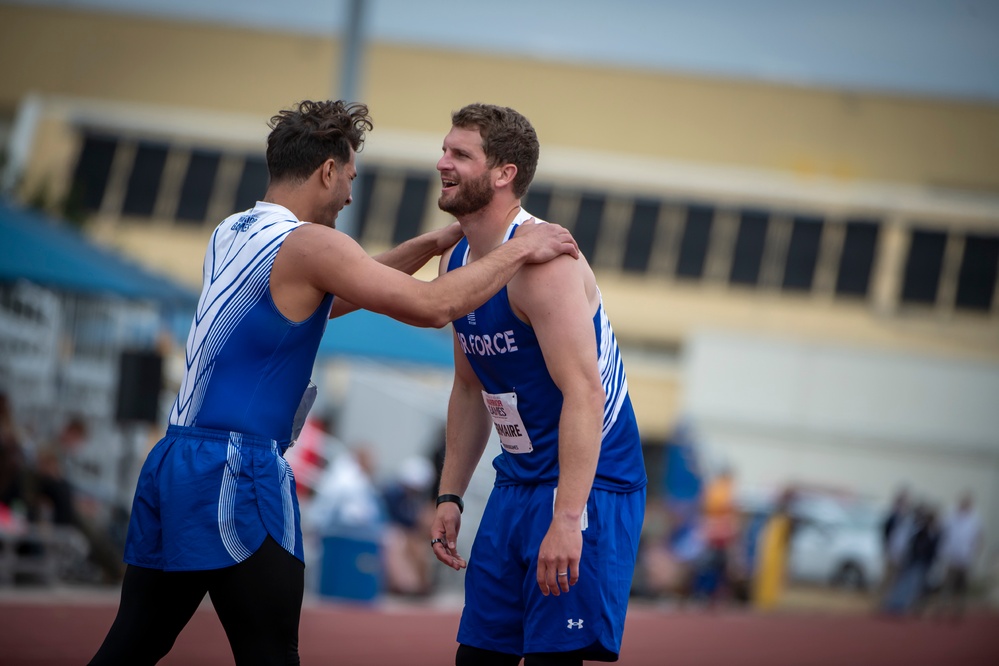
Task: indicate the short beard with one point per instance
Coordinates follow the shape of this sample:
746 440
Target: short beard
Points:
477 195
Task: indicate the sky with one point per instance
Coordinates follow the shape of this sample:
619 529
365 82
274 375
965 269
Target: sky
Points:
947 48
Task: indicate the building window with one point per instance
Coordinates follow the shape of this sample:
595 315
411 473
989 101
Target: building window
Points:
409 217
363 191
976 281
90 179
196 191
641 236
923 267
747 256
587 228
857 258
538 201
144 181
802 253
694 244
252 183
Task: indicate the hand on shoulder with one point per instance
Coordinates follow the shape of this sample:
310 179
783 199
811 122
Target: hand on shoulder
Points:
546 241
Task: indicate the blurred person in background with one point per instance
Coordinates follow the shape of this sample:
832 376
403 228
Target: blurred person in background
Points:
54 499
720 524
911 587
13 469
215 508
962 541
896 533
346 497
770 566
409 512
551 565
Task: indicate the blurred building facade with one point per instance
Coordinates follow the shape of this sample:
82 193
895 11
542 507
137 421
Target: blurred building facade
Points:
856 222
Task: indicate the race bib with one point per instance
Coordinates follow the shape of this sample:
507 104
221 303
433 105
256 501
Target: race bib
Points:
509 426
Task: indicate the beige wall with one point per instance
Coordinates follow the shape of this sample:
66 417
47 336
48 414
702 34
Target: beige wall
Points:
596 124
847 136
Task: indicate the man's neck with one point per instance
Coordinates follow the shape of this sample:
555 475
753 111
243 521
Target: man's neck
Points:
292 199
486 227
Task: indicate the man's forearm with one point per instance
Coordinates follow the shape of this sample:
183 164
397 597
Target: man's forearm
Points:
466 435
460 291
412 255
578 452
407 257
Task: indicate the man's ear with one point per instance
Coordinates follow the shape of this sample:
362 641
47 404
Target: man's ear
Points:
327 170
507 173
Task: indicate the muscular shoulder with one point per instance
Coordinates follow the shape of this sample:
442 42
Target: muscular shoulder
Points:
542 287
311 251
314 241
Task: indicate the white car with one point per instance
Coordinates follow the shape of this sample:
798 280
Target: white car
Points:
836 541
836 538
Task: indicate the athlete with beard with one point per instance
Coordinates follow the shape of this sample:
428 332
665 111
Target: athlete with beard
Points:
215 511
549 574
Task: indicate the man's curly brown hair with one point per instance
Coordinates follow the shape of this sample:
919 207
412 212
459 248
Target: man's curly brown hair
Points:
304 137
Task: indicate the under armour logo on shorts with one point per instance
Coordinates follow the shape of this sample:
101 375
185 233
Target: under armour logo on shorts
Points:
575 624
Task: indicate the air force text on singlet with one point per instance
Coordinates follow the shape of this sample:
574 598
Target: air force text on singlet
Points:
488 345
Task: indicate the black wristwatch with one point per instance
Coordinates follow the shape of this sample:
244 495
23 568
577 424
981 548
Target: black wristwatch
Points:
451 498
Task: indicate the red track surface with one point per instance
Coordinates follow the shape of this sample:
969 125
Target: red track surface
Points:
37 630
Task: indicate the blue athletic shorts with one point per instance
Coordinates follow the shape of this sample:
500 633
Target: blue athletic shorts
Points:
207 499
504 608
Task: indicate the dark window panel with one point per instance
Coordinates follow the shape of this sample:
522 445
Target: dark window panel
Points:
90 178
363 190
409 217
252 183
922 267
694 245
802 253
587 227
641 236
976 281
857 259
199 181
144 181
747 256
538 202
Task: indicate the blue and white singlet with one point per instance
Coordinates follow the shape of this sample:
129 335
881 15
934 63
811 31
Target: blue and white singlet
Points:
247 364
217 484
526 405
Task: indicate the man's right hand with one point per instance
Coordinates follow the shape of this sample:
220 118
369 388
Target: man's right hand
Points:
547 241
444 536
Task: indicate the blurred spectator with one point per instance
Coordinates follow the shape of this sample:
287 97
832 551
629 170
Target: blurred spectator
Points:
960 545
410 512
720 527
909 590
310 455
13 468
53 499
346 498
669 562
896 534
771 554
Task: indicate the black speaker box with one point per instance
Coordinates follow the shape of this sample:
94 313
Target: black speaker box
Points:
140 381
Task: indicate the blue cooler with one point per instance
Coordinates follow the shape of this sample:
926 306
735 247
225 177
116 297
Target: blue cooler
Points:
351 567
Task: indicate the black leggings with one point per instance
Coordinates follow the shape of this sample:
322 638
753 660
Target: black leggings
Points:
258 601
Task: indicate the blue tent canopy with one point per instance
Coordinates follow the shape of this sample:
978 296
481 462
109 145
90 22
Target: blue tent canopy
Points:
376 336
36 248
